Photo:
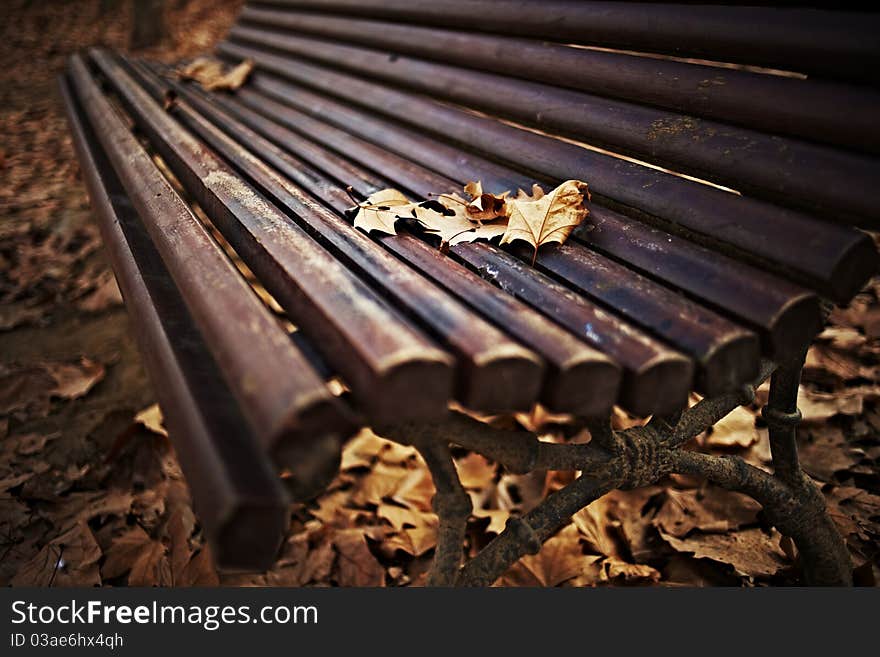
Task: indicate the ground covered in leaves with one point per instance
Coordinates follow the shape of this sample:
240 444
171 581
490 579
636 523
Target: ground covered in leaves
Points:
91 493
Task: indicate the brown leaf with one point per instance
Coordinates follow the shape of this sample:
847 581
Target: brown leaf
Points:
70 559
818 406
151 568
550 218
751 552
497 519
559 560
710 509
400 518
124 551
414 541
455 226
483 206
736 429
212 74
356 565
476 471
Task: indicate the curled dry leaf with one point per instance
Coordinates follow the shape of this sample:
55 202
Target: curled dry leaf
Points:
536 218
550 218
381 210
213 75
483 206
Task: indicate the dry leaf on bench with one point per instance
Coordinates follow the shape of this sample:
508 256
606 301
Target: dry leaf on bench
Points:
381 210
212 74
483 206
550 218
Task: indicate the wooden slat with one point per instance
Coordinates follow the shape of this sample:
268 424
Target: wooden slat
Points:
280 394
787 316
392 369
830 43
770 103
235 490
727 354
656 379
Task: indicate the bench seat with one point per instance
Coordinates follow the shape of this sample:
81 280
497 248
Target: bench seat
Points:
719 230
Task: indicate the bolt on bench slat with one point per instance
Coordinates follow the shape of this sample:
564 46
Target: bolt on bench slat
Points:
580 380
836 260
832 44
771 103
768 166
494 373
235 491
392 369
282 397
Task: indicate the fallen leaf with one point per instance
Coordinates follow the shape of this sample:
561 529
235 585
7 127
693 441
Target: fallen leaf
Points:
151 418
559 560
818 406
124 551
213 75
476 471
484 206
381 211
355 564
454 225
550 218
752 552
70 559
709 509
736 429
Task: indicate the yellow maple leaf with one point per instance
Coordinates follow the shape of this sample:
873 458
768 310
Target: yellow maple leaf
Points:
381 210
457 227
549 218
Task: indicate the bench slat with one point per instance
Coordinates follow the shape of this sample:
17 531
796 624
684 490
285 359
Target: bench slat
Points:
804 108
787 316
494 374
777 168
235 491
829 43
836 260
279 392
727 354
392 369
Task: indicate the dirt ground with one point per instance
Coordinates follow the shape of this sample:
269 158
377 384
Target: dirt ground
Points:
90 491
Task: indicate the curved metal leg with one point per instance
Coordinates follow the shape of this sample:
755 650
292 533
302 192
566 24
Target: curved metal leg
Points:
630 459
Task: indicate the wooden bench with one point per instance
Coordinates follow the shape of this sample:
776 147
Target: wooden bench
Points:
725 217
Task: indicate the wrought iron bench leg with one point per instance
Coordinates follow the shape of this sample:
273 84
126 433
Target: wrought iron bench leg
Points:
629 459
824 557
452 505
